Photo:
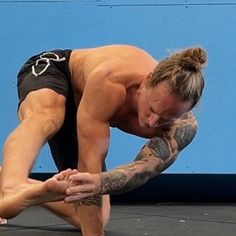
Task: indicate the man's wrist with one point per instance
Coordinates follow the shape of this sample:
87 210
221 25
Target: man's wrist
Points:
99 188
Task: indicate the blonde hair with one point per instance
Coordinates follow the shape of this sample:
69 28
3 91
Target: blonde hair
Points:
183 72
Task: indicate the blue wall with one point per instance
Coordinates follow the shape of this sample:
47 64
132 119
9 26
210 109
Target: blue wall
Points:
159 27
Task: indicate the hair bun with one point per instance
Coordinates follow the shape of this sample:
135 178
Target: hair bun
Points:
193 59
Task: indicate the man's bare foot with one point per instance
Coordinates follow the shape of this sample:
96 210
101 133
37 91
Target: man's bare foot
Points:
14 202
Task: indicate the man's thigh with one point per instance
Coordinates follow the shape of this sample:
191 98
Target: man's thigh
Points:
42 102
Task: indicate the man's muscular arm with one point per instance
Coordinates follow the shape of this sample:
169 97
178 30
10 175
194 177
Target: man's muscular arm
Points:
156 155
102 97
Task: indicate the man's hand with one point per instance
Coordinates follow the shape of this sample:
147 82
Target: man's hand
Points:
82 185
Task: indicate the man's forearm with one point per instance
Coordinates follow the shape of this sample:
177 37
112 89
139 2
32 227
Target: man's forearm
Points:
117 181
130 176
156 156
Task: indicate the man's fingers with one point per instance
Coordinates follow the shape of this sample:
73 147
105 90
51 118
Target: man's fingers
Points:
83 185
83 188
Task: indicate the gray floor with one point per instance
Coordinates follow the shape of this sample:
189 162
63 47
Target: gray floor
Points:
138 220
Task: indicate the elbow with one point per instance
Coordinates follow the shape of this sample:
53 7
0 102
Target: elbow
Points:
184 135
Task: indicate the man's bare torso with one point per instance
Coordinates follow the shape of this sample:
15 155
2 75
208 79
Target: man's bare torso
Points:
128 67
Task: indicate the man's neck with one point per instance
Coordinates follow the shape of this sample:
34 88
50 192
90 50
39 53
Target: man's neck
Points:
133 99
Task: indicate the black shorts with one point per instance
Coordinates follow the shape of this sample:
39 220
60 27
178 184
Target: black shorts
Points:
50 70
45 70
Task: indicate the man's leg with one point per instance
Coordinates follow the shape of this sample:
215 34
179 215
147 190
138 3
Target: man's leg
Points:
41 115
64 149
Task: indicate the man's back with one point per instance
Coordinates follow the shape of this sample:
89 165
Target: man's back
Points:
126 63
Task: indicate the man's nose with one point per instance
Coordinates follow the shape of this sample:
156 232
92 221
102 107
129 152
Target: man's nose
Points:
153 120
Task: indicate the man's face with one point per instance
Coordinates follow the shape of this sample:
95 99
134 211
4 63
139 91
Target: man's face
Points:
157 106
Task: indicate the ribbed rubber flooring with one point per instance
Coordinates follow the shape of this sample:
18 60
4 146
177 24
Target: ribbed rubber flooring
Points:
135 220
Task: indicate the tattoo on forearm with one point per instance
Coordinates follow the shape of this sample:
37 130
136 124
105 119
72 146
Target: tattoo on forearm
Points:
97 201
119 181
154 157
112 182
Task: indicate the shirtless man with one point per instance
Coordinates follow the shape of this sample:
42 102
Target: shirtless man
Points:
81 93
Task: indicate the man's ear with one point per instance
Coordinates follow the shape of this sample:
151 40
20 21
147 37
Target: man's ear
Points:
148 78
